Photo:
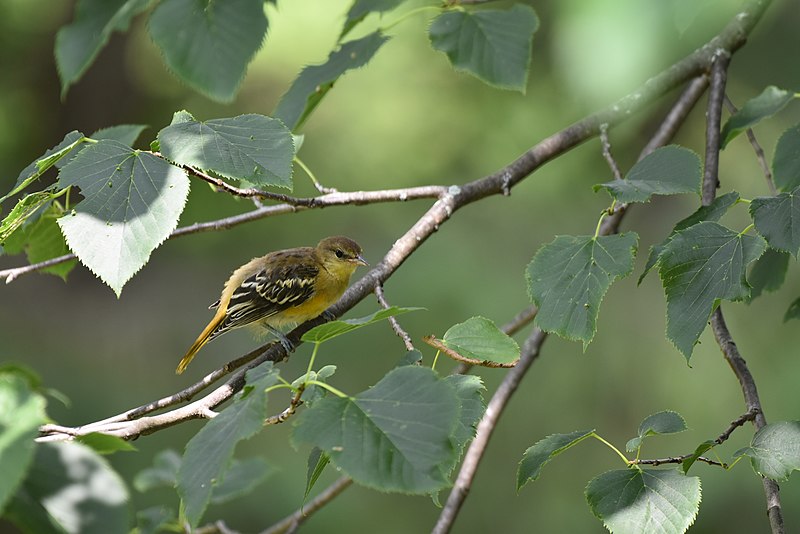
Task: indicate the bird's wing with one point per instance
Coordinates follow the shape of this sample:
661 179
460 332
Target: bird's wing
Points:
269 292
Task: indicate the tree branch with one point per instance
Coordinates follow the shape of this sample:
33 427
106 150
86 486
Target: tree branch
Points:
760 156
292 521
402 334
718 326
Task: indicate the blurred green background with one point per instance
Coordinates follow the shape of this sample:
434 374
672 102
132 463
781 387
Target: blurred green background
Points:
408 119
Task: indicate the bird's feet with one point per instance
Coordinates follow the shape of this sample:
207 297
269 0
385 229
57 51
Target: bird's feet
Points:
328 316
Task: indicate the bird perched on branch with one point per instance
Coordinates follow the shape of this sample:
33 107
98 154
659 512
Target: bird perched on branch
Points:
283 288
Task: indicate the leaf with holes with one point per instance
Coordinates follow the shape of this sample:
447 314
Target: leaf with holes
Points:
769 102
315 81
669 170
569 276
395 436
778 220
644 500
700 266
208 44
544 450
775 450
492 45
250 147
132 201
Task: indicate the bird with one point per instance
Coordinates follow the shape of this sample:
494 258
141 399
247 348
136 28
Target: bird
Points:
283 288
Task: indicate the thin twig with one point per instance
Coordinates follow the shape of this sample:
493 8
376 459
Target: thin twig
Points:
606 144
439 345
676 460
760 156
721 333
291 522
749 415
402 334
356 198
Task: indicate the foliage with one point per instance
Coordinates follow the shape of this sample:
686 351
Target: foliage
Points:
112 205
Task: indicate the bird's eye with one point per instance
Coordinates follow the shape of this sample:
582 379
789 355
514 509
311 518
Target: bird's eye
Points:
339 253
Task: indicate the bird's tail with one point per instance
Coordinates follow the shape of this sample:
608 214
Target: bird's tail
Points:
208 333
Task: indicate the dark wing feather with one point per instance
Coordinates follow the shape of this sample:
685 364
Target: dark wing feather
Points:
268 292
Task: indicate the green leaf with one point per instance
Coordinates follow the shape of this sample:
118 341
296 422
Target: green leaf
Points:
127 134
78 43
712 212
208 44
492 45
478 338
361 8
569 276
468 390
769 102
768 272
644 500
395 436
700 266
163 473
315 81
208 454
21 413
544 450
35 170
132 201
410 357
317 461
786 161
775 219
105 444
41 240
313 392
25 208
793 312
156 519
332 329
666 422
70 488
669 170
698 452
241 478
250 147
775 450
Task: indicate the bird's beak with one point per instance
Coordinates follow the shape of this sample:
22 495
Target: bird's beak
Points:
358 260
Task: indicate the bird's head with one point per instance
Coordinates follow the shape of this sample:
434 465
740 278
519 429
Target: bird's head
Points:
340 255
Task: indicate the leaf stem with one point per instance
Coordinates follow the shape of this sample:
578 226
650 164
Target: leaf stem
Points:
322 189
329 387
408 15
311 362
750 227
613 448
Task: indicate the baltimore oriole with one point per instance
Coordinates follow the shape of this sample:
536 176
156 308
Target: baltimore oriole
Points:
283 288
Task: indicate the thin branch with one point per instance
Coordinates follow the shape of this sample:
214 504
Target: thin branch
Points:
606 144
760 156
402 334
749 415
440 346
291 522
721 333
676 460
356 198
